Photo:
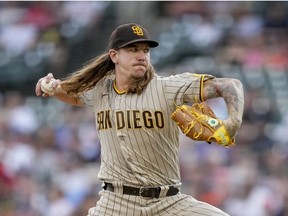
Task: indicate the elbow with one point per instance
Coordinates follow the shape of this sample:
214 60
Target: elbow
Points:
237 83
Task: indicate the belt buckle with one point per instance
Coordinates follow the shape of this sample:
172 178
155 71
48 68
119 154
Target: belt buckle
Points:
151 192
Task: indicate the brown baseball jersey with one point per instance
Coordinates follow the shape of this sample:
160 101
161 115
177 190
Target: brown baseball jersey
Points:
139 145
139 142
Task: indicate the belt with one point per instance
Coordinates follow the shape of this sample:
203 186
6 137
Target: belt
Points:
151 192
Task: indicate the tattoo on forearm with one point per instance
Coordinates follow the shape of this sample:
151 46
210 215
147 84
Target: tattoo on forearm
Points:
232 92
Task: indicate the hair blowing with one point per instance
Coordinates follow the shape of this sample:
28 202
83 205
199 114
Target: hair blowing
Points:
94 70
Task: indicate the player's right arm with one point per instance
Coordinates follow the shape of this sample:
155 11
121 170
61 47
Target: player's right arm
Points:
59 94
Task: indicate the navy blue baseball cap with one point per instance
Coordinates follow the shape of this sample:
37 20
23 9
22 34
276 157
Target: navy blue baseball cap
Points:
129 33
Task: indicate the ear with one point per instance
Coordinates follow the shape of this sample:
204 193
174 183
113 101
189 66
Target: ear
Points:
113 55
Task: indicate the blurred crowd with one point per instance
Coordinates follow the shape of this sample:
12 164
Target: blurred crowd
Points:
50 152
41 36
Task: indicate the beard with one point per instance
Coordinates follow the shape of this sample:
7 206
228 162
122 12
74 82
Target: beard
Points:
138 83
139 74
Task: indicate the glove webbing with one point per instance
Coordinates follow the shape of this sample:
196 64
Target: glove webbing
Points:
200 118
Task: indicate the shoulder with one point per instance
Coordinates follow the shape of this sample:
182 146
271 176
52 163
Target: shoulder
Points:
185 77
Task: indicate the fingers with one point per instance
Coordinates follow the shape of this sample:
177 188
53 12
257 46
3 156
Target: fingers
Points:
38 91
47 79
56 83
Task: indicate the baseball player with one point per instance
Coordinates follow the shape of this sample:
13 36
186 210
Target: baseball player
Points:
139 141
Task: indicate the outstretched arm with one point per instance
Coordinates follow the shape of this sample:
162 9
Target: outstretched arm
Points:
231 90
59 93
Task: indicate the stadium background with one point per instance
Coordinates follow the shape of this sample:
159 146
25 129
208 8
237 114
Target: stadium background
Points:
49 152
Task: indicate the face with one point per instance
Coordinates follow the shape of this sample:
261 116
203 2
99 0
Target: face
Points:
131 61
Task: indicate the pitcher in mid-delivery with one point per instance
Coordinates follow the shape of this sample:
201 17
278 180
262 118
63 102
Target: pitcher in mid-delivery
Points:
139 141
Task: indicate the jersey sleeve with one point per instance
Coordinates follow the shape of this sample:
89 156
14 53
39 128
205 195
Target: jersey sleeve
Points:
186 88
87 98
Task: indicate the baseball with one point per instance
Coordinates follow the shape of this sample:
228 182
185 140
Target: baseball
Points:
47 87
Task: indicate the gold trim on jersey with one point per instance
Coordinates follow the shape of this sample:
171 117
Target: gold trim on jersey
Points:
201 93
116 90
201 88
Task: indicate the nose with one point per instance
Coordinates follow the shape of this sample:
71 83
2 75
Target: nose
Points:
142 56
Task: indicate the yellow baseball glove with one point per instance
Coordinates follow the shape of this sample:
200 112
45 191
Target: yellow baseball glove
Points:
200 123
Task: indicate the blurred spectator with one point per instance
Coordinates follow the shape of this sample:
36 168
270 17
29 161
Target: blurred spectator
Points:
42 14
58 204
23 119
11 41
83 13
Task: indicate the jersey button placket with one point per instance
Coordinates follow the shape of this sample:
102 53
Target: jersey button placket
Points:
117 102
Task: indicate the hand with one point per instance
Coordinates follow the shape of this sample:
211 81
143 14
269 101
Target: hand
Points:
201 124
47 78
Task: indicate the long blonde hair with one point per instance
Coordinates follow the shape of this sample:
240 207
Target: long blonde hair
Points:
94 70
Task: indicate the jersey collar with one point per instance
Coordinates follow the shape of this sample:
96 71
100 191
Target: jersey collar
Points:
116 90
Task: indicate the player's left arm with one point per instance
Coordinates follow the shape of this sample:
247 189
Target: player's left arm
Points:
231 90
